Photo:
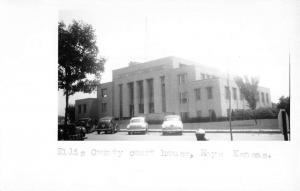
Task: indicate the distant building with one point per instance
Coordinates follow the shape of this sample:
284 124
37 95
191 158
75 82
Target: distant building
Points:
169 85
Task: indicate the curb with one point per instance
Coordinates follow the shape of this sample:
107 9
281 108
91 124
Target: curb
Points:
219 131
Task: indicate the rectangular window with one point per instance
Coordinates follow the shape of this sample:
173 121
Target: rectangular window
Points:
198 93
267 97
241 95
104 93
182 78
184 115
103 107
263 97
84 108
258 97
79 109
150 95
199 113
120 99
227 92
183 96
212 115
234 93
209 93
163 93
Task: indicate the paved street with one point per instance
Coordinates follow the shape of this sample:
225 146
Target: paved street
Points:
157 136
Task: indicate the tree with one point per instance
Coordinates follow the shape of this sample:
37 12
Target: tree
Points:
79 66
71 113
249 91
284 103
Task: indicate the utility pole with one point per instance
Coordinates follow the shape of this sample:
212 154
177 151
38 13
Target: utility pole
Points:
231 138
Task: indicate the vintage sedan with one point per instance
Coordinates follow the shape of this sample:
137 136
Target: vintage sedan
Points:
71 132
137 124
87 123
107 124
172 124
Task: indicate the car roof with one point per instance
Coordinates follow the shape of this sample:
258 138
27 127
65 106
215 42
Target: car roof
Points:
167 116
137 118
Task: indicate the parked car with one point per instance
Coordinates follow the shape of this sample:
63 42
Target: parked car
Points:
172 124
137 124
87 123
71 132
107 124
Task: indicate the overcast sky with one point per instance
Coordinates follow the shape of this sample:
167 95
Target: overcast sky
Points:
250 38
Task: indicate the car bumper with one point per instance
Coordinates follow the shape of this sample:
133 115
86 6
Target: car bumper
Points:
136 130
172 130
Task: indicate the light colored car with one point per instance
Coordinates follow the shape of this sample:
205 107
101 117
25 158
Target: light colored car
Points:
172 124
137 124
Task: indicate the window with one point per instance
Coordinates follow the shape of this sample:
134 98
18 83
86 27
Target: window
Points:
150 95
227 92
209 92
104 93
234 93
198 94
84 108
79 109
199 113
263 97
184 115
103 107
258 98
267 97
182 78
212 115
121 102
241 95
183 97
163 93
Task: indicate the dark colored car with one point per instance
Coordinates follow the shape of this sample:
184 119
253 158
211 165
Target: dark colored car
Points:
87 123
70 132
107 125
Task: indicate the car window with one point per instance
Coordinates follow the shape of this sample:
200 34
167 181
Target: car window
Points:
136 120
172 119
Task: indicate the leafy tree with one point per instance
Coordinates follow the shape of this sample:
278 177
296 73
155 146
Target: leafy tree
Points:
79 66
284 103
248 89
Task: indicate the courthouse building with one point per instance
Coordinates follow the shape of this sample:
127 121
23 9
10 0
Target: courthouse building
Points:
168 85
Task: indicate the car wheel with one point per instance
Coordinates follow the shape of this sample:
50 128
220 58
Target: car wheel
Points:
98 132
129 133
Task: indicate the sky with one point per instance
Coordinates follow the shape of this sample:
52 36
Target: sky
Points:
243 38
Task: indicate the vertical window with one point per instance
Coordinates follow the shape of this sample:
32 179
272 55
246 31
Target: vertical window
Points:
241 95
151 97
263 97
234 93
209 93
103 107
227 92
267 97
120 99
258 98
140 96
212 115
199 113
131 99
104 93
84 108
182 78
163 93
183 96
198 93
184 115
79 109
